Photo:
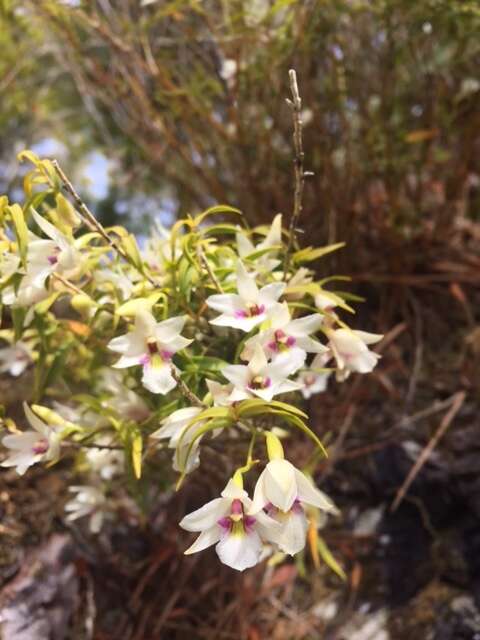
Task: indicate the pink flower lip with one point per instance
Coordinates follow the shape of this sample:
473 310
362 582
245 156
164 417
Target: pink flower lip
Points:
144 360
225 523
52 260
166 355
251 311
237 507
40 447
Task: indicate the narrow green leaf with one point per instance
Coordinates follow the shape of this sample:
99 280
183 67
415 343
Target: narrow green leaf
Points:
329 559
21 230
137 446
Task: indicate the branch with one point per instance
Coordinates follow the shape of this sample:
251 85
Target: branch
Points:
191 397
296 106
90 220
456 403
204 261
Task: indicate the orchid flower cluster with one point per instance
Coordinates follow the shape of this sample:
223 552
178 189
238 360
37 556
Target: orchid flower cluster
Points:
201 342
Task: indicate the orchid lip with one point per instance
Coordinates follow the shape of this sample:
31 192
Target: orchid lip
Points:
251 311
40 447
52 260
259 382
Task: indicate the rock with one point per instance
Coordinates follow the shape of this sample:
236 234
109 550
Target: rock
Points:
38 604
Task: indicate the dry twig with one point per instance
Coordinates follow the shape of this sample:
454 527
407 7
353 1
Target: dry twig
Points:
457 401
296 106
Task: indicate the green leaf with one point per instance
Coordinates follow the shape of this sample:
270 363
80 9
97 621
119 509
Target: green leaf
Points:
329 559
137 446
309 253
219 208
210 425
256 406
130 247
21 230
18 318
44 305
220 228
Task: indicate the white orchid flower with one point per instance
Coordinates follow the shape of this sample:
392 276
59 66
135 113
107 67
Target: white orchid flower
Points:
312 379
118 280
286 337
27 294
126 402
225 522
325 302
89 501
29 447
15 359
175 427
282 490
105 462
220 393
262 378
350 350
246 247
247 308
301 277
58 254
152 345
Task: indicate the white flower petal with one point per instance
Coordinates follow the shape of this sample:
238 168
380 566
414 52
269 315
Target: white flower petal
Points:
240 322
259 361
244 246
237 374
260 499
158 378
368 338
280 485
205 540
168 330
207 516
127 361
35 421
240 552
305 326
269 294
233 492
246 285
294 528
145 324
227 303
309 494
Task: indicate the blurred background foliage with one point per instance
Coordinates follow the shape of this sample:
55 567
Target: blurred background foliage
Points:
184 100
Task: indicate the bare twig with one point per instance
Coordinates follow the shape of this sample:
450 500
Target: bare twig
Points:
204 261
457 401
195 400
296 106
68 284
90 220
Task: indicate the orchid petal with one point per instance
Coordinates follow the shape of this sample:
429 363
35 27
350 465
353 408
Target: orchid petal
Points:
246 285
206 516
205 540
309 494
240 552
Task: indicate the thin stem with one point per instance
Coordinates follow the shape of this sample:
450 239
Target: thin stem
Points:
204 260
188 393
68 284
90 220
296 106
